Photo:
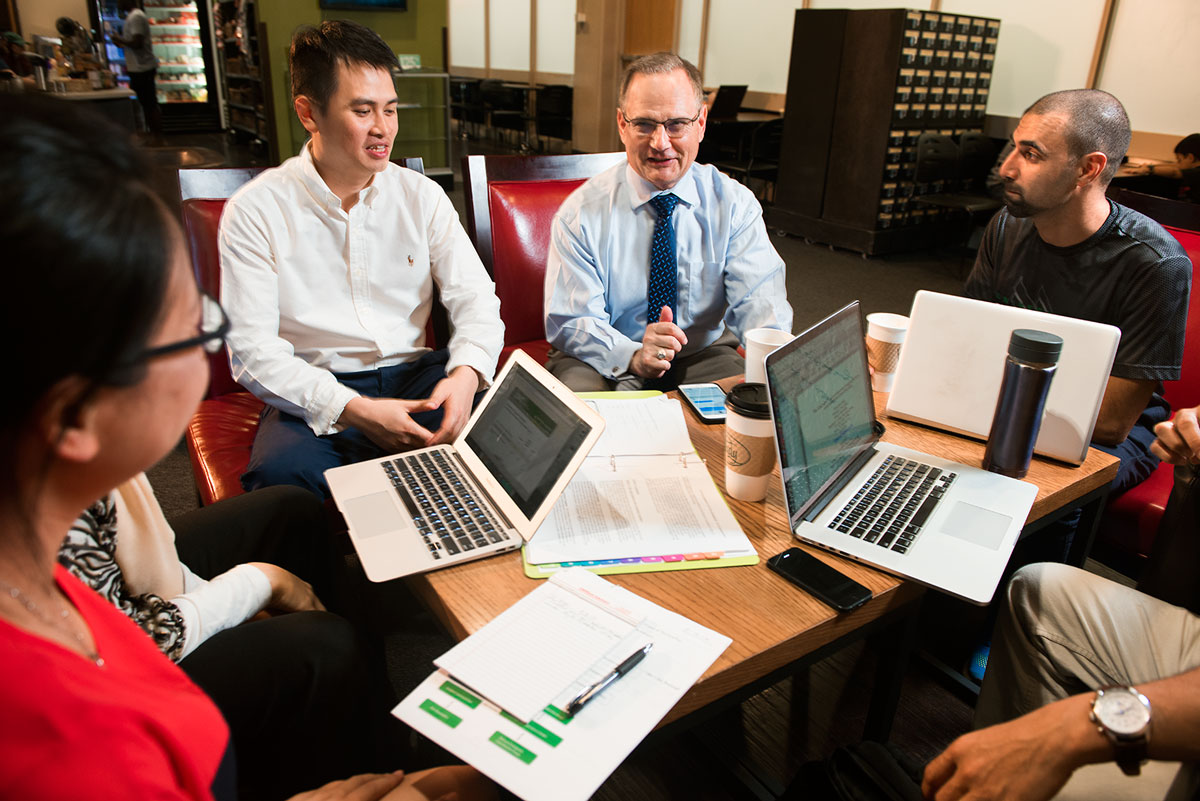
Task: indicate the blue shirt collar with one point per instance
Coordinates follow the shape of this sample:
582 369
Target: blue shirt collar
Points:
640 190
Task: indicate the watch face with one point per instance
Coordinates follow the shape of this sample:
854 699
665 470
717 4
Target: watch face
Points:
1121 712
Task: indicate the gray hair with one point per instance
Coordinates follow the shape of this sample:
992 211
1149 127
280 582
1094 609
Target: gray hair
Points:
661 63
1096 121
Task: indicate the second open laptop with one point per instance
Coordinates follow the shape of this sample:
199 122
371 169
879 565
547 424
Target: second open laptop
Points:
916 515
485 494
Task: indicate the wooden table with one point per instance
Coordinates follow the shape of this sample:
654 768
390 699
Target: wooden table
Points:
772 624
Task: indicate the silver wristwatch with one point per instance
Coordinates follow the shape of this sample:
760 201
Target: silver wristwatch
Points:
1122 714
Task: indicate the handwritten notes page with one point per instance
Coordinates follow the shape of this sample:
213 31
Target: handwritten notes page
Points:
550 757
524 658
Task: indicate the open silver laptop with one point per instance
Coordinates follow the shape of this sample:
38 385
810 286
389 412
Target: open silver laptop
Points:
952 364
485 494
936 521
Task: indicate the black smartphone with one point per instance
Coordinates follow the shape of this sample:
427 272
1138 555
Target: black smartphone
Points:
822 581
706 400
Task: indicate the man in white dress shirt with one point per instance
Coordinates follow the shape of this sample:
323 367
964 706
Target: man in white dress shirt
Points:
658 267
328 265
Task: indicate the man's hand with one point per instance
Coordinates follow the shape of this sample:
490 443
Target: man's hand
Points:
660 343
453 395
388 422
1178 439
289 592
1027 759
364 787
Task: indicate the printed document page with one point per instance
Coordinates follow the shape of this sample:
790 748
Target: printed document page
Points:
641 426
646 506
551 757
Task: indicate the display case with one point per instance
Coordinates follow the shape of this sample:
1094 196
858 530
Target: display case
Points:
423 120
245 74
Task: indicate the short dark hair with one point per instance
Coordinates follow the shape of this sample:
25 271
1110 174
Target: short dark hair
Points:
316 52
1096 121
87 250
1189 145
662 63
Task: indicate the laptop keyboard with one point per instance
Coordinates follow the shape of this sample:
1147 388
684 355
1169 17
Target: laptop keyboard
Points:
893 504
443 504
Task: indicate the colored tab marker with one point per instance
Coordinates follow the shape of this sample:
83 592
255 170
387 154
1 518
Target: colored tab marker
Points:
631 560
673 557
540 732
715 555
695 557
460 694
513 747
558 714
442 714
652 558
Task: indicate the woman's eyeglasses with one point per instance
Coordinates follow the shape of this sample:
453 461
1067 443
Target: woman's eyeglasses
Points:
214 326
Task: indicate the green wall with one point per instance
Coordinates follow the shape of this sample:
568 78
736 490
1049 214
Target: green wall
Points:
417 30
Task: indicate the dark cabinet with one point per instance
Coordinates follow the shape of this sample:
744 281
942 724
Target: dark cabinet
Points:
862 87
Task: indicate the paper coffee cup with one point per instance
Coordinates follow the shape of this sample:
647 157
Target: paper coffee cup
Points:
885 336
760 342
749 442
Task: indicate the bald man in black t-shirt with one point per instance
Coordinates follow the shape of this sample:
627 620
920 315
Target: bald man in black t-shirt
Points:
1061 246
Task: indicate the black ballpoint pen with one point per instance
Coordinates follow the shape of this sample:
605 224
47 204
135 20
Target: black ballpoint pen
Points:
581 700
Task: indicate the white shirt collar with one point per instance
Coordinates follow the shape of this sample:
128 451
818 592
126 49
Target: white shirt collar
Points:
321 191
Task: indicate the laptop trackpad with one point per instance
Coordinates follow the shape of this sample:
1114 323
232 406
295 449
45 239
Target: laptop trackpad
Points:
373 514
976 525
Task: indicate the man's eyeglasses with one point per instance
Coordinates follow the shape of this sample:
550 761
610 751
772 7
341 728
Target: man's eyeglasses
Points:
675 128
214 326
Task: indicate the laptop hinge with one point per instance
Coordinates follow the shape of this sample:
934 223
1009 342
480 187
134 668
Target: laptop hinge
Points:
848 474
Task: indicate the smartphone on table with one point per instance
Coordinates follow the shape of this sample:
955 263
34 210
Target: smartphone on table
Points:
819 579
706 400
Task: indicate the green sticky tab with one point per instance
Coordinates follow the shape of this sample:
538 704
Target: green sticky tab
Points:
513 747
441 713
541 732
557 714
460 694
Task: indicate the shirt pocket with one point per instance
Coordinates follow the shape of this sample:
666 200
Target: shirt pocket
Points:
701 294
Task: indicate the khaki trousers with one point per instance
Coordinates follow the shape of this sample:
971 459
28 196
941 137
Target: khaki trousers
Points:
1067 631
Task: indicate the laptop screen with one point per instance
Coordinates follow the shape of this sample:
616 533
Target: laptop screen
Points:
822 405
526 438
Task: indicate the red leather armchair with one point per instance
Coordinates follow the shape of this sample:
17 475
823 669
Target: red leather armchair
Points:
221 432
510 203
1130 523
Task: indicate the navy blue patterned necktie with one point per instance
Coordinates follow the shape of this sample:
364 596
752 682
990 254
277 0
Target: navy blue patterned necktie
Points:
664 259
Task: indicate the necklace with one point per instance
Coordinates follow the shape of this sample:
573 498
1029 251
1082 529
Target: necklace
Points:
60 623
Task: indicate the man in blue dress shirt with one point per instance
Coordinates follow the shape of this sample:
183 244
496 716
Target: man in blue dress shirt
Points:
658 267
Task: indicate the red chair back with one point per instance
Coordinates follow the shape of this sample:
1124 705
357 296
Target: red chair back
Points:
521 212
511 201
1185 392
204 193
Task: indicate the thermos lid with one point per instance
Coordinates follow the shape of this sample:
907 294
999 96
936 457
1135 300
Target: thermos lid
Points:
1039 347
749 400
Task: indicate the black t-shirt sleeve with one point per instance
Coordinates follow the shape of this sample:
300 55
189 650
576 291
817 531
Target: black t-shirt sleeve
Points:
981 283
1154 318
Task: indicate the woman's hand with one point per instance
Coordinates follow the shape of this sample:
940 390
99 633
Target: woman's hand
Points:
289 592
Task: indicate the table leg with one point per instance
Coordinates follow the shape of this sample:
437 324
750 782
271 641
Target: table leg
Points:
894 645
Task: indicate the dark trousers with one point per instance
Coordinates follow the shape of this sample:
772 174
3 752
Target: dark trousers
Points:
286 451
298 690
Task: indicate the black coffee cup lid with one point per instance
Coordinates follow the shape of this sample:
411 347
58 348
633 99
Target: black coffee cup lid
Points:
1035 346
749 400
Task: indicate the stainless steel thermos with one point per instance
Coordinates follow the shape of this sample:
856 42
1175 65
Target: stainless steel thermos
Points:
1028 370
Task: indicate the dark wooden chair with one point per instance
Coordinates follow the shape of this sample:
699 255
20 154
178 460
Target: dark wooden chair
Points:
221 432
1127 530
511 201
